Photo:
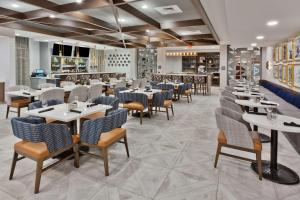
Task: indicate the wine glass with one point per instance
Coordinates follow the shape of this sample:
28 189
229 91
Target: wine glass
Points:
269 113
261 97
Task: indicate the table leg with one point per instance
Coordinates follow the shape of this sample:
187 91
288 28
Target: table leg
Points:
263 137
274 171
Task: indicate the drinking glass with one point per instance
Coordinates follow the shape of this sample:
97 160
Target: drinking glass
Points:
261 97
269 113
76 99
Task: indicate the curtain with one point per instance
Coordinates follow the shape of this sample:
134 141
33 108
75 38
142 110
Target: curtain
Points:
22 61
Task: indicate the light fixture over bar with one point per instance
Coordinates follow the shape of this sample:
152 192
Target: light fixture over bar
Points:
182 53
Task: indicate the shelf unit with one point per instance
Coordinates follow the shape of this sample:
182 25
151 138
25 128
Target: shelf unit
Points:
71 64
147 62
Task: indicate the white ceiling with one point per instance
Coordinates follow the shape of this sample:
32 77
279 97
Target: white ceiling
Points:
240 21
22 7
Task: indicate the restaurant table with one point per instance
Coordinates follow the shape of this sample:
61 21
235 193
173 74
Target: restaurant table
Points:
239 89
248 94
61 113
255 105
272 170
143 91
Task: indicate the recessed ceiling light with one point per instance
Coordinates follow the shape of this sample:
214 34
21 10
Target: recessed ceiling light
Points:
272 23
121 20
15 5
52 16
17 34
260 37
147 30
79 1
254 44
144 6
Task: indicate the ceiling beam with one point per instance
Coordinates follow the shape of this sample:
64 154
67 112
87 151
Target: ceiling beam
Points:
195 37
43 4
184 23
199 7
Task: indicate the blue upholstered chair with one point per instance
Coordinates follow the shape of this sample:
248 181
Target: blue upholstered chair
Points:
105 100
166 86
135 101
41 141
185 90
163 100
104 132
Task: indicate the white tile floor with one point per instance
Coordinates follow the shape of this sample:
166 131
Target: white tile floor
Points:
170 160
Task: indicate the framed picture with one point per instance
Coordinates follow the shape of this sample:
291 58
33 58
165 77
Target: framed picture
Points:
284 73
297 48
284 52
297 76
274 54
280 53
277 54
280 74
290 75
290 51
275 71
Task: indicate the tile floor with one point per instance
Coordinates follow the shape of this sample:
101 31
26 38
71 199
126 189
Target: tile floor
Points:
170 160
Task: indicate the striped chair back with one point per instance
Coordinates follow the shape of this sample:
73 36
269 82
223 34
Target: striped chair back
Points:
183 87
166 86
39 104
107 100
91 129
125 97
159 98
56 136
119 89
236 132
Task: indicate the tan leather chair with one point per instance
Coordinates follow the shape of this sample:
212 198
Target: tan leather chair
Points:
16 102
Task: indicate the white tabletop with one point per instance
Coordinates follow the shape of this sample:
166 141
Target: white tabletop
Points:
247 94
253 104
244 88
153 91
171 83
20 93
276 124
61 112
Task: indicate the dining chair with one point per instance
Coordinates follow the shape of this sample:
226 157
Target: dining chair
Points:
135 102
95 91
229 89
200 84
66 83
121 84
143 83
136 83
235 135
41 141
94 81
55 93
103 132
163 100
185 90
225 93
105 100
81 92
166 86
16 102
46 85
231 105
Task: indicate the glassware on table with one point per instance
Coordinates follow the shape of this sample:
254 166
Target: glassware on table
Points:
269 113
261 97
273 115
76 99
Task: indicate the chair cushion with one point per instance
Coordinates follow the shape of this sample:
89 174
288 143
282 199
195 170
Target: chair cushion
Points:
110 91
20 103
108 138
94 116
188 92
167 103
134 106
37 151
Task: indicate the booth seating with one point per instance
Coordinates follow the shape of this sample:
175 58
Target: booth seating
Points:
289 104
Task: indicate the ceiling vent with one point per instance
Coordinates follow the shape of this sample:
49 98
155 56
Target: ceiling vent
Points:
168 10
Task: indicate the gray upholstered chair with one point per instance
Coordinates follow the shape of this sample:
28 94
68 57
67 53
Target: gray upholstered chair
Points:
81 92
95 91
143 83
40 142
225 93
46 85
16 102
120 84
229 89
103 132
94 81
55 93
66 83
136 83
235 134
231 105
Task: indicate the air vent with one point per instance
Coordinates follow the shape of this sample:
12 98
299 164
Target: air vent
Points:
168 10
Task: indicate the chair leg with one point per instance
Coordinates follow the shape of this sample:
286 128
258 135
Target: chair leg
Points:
217 155
13 165
258 163
76 155
167 111
7 111
38 174
141 117
126 145
105 159
188 99
191 97
172 109
19 112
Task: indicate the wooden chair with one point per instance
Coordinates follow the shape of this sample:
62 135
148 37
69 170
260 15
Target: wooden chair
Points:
103 132
40 142
185 90
16 102
235 134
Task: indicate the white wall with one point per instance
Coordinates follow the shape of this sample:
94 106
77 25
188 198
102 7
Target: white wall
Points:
45 56
267 55
7 57
130 70
34 55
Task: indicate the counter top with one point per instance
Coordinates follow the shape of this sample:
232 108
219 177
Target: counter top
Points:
43 78
80 73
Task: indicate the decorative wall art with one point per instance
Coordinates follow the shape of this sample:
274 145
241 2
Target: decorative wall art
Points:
297 76
280 75
280 56
118 60
290 75
297 48
275 71
284 51
290 51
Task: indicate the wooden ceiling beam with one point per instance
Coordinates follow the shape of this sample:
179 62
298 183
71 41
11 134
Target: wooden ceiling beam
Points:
195 37
43 4
138 28
184 23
